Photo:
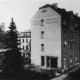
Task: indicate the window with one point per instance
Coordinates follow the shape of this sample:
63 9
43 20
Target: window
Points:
30 41
27 34
23 40
64 64
70 60
64 59
64 48
42 47
23 47
64 34
43 11
19 40
65 43
26 47
23 54
42 34
26 40
71 47
24 34
48 61
42 22
76 58
42 60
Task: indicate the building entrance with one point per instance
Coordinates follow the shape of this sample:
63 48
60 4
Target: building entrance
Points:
51 62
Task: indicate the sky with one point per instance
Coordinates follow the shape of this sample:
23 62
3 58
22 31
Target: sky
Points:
23 10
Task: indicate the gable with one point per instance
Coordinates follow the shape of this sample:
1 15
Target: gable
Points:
45 12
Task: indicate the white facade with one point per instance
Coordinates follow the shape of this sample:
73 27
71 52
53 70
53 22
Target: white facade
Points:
24 39
51 27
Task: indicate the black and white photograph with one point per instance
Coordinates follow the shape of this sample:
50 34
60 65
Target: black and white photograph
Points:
39 39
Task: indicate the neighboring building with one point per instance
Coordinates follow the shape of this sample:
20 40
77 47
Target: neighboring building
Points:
2 26
55 37
25 43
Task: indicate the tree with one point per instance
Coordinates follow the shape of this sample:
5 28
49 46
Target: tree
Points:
2 36
13 60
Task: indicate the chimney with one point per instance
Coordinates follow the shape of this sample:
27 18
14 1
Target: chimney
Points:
54 5
76 14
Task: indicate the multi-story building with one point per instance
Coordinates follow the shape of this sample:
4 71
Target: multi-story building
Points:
25 43
55 37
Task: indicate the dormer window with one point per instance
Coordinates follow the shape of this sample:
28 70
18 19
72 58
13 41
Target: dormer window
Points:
43 11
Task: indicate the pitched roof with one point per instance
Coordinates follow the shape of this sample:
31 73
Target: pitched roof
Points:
61 11
53 6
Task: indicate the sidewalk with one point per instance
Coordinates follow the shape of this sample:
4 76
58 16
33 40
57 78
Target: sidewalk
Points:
60 77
